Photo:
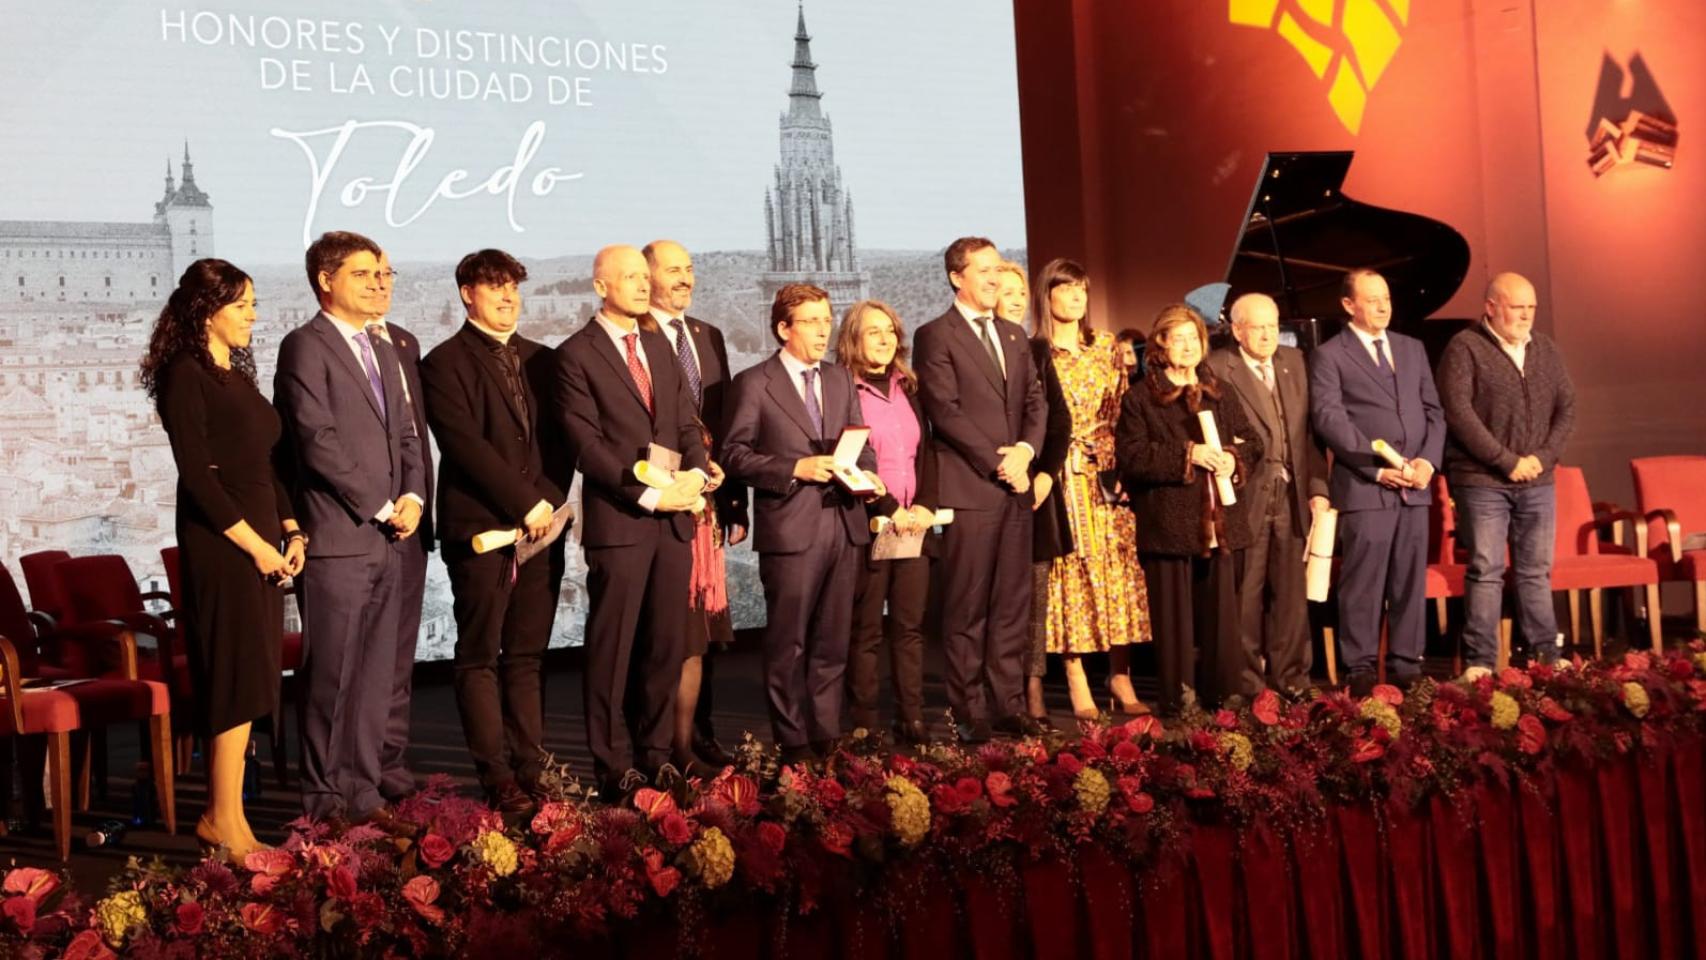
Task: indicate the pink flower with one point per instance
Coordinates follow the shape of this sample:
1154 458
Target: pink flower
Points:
1636 660
1515 679
31 882
88 945
1388 694
421 892
22 912
663 879
1550 710
262 918
1266 709
1127 752
189 918
1530 734
435 850
1225 719
271 862
772 836
675 828
1000 787
1147 725
1366 750
340 883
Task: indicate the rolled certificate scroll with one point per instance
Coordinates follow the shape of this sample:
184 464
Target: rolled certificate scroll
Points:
1318 555
1211 439
495 539
1387 452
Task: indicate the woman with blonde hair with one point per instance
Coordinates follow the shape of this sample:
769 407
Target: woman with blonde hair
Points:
1191 541
872 344
1095 595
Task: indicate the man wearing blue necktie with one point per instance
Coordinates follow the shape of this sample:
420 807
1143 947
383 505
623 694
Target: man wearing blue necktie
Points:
1369 384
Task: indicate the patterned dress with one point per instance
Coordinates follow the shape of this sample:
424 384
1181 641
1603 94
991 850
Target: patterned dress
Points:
1096 596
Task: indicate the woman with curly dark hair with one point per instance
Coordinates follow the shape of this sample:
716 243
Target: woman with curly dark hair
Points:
233 516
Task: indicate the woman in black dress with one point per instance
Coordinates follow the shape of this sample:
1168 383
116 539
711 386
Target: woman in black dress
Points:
1189 542
233 514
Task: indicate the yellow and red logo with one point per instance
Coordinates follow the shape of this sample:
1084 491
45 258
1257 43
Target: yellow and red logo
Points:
1348 43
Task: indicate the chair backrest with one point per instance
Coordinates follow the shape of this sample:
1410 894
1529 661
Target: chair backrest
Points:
1577 534
98 588
43 585
1676 483
169 557
1442 523
15 623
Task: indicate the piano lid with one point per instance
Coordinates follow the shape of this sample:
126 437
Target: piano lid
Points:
1301 234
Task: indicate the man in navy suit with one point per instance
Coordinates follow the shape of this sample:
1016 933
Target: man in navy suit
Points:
1369 384
357 478
620 390
987 419
785 416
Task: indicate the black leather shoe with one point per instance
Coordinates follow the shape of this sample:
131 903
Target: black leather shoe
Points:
978 731
509 799
712 752
1360 684
911 732
1019 725
796 755
617 788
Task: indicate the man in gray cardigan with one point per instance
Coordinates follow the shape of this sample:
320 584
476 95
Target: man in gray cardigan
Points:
1510 408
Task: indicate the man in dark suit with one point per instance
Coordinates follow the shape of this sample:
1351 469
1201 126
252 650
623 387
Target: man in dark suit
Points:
785 416
1369 384
357 477
487 417
704 360
396 781
1285 491
620 390
987 418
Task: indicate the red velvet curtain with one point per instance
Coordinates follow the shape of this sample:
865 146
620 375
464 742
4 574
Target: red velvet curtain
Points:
1593 861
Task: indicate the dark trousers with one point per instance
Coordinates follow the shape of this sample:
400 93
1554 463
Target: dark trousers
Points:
395 780
637 613
904 586
808 614
1273 611
1383 567
986 610
1193 612
502 630
350 610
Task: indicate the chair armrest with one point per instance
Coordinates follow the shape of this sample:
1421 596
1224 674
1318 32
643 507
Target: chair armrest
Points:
11 684
43 622
1672 527
143 622
1606 514
1615 518
100 632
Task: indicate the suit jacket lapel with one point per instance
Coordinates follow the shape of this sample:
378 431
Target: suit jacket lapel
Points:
1290 380
710 369
602 346
834 403
473 341
335 342
973 342
782 390
1366 361
1256 397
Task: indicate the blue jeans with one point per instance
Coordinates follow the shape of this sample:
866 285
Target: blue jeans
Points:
1488 520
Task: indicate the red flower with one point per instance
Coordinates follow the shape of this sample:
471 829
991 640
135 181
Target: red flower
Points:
739 792
22 912
262 918
663 879
1225 719
1636 660
1697 690
368 909
31 882
1388 694
270 866
435 850
1530 734
1266 709
88 945
1515 679
946 800
836 837
340 882
1550 710
189 918
772 836
830 793
969 788
655 804
1203 741
1140 802
1147 725
1000 787
1367 749
421 891
1127 752
675 828
1069 763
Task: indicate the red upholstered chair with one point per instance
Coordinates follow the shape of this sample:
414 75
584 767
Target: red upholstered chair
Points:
101 587
41 582
290 660
1670 493
55 713
1581 562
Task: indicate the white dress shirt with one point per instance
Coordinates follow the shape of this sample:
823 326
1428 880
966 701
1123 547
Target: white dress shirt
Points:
667 322
796 369
1368 344
978 328
1518 351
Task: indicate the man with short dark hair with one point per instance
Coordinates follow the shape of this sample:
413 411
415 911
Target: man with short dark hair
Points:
987 418
620 392
1368 384
1510 407
492 424
785 417
357 477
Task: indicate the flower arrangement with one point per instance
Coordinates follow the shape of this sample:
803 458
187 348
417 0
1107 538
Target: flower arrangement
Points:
865 821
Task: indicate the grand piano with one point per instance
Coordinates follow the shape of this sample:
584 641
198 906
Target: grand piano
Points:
1301 234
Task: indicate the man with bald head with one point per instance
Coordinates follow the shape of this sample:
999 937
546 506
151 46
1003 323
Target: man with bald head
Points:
1510 408
619 391
1285 490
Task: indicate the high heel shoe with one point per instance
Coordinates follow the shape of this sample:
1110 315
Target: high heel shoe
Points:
213 845
1134 708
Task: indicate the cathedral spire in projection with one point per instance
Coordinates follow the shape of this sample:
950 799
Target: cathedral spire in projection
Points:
808 212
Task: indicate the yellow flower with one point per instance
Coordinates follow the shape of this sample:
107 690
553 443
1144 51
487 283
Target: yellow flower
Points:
1700 661
1237 749
1635 698
1506 710
713 858
1092 789
495 851
909 810
118 914
1382 714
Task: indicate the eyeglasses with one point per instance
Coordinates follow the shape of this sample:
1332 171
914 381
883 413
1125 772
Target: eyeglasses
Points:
384 276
